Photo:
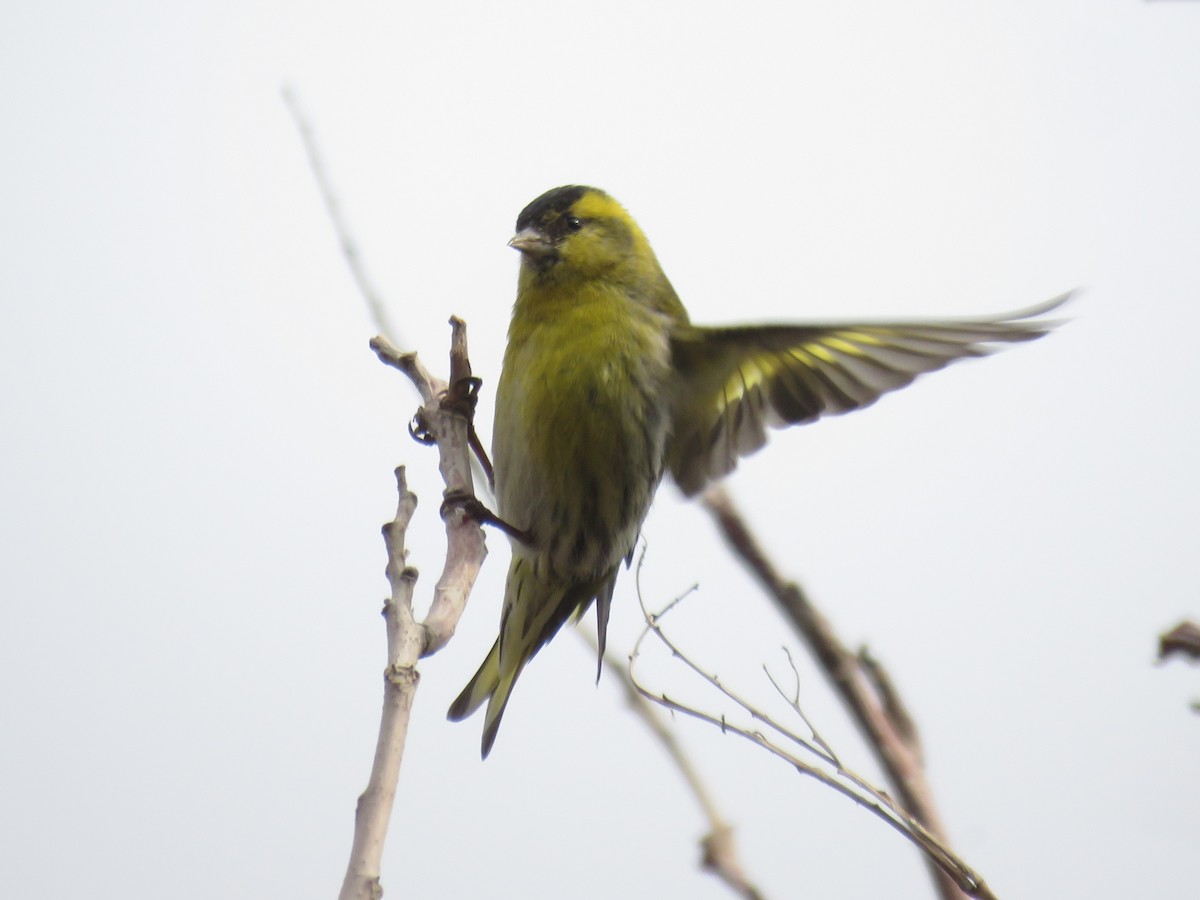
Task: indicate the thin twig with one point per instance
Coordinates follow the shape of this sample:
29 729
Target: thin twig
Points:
408 639
720 854
443 416
446 418
793 700
404 643
334 208
864 689
843 780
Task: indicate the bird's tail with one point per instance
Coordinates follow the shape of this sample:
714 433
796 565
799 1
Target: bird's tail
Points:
492 684
535 608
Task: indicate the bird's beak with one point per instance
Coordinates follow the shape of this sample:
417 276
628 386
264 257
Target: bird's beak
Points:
532 243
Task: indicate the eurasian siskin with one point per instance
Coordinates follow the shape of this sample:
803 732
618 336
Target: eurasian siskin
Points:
606 385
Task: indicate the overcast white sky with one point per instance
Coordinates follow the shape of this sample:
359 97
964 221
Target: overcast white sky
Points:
196 445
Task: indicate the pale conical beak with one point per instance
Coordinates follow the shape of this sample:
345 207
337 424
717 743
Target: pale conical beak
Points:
532 243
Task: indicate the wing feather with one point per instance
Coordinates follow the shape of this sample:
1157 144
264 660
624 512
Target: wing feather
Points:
738 381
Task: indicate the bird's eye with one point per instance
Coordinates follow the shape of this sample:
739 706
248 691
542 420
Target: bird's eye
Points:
574 223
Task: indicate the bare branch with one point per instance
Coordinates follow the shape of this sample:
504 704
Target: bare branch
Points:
841 779
334 208
893 704
442 418
793 700
445 419
426 384
859 680
404 643
719 850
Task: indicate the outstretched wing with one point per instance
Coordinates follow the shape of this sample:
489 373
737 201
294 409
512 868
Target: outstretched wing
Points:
737 381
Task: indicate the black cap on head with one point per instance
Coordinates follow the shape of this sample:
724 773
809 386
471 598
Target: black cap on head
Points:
551 205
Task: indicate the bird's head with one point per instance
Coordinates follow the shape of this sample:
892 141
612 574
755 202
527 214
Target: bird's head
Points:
580 232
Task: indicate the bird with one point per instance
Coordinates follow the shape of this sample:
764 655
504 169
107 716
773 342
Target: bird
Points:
606 388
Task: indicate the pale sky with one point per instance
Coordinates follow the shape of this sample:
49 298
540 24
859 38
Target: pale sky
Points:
197 445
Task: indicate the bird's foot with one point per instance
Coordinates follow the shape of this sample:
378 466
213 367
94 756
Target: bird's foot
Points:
472 507
462 396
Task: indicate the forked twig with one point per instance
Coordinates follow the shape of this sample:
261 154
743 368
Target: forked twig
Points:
409 639
859 680
841 779
720 854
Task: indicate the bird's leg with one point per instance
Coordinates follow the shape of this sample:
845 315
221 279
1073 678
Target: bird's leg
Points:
460 399
473 508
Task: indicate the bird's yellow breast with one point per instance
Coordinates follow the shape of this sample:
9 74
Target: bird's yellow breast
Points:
581 424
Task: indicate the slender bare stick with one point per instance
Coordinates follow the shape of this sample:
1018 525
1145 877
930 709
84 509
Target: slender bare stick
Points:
358 270
859 680
444 416
334 208
400 682
408 640
841 779
718 847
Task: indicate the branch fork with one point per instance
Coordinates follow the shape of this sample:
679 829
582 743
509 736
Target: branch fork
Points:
443 417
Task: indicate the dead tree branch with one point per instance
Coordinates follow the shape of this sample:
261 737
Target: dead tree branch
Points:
718 849
779 739
333 208
865 689
442 422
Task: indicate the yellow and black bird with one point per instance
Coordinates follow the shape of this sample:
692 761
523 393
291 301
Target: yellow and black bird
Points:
606 386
